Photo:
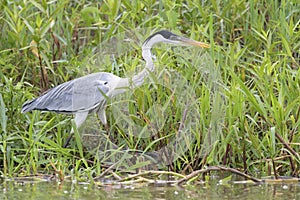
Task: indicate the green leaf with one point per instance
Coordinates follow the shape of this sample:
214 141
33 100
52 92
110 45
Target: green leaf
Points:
286 46
172 18
39 6
3 117
226 179
30 28
46 27
89 15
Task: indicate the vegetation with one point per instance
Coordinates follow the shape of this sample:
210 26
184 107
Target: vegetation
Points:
235 104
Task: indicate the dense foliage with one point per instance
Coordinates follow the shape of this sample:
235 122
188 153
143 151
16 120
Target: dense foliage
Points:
235 104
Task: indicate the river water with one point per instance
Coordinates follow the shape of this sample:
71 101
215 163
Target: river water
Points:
215 190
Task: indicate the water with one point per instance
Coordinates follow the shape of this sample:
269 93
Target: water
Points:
215 190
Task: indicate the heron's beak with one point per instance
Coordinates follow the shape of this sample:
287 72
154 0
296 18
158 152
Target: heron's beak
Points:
191 42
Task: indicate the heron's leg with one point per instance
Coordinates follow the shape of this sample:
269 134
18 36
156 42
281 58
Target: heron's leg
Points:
102 116
79 119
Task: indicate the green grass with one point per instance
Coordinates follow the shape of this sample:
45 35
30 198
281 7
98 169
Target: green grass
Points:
235 104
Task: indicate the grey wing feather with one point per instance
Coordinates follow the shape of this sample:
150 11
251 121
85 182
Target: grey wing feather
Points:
79 95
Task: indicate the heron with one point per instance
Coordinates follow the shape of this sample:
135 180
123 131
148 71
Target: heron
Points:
88 94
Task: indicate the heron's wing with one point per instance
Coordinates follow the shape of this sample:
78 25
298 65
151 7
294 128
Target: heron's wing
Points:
78 95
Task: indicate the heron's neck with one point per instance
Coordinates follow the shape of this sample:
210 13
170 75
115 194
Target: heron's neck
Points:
138 79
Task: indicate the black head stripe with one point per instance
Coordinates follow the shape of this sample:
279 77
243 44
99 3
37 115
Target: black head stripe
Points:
166 34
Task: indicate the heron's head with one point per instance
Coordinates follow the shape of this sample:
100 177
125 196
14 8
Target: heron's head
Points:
168 37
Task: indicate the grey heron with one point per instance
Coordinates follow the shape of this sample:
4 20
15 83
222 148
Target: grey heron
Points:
89 93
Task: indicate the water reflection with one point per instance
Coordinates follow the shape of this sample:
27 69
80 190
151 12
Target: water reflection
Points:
52 190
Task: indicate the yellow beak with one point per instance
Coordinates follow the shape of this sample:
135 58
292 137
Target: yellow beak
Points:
193 42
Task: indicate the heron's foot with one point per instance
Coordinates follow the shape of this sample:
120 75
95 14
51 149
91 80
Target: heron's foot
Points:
108 133
106 128
68 140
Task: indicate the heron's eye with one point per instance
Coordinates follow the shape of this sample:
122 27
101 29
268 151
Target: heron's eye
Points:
105 83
